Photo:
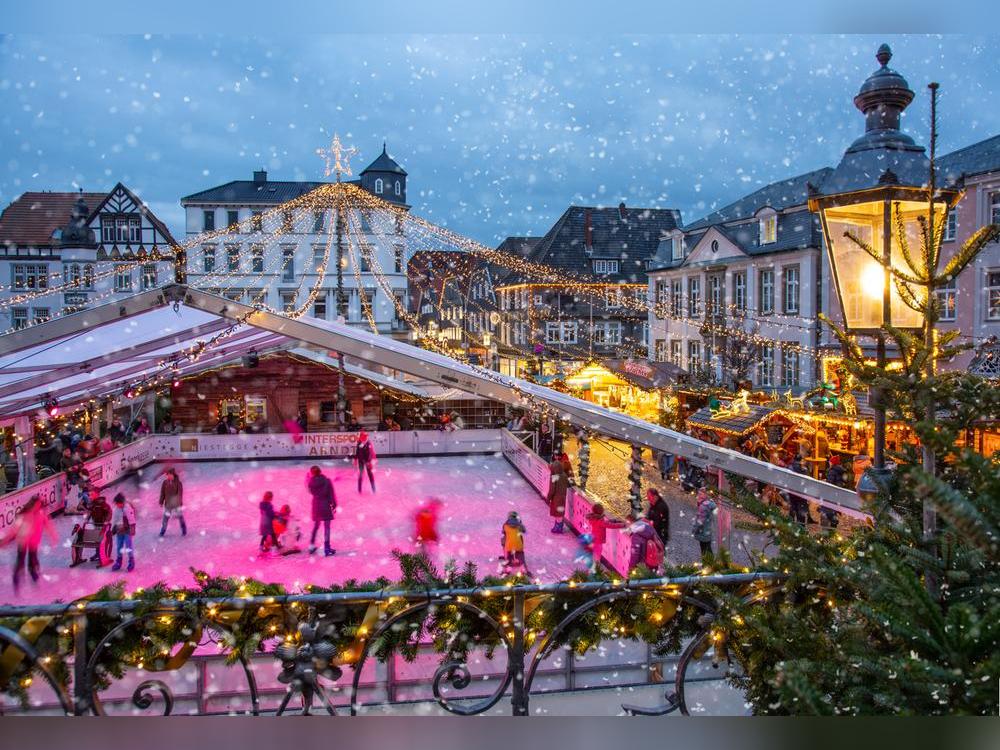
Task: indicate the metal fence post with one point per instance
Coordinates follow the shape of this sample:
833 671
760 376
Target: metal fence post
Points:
519 698
81 685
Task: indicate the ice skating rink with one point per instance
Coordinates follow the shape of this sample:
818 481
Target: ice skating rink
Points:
220 506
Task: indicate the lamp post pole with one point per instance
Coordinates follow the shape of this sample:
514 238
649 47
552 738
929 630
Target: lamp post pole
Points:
878 457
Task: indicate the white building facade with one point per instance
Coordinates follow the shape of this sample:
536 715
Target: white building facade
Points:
61 252
274 256
735 296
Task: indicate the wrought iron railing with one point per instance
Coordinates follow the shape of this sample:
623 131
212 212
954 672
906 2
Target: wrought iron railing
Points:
308 656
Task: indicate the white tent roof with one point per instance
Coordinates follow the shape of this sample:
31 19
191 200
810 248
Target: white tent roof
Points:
99 352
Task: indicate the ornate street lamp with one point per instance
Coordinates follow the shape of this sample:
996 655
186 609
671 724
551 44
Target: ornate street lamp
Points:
876 194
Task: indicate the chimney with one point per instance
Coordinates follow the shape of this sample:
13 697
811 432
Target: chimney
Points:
260 175
621 210
588 238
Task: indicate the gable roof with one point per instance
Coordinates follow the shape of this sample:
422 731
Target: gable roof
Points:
139 204
631 239
31 219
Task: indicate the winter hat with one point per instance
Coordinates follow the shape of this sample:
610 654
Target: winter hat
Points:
119 499
512 515
834 460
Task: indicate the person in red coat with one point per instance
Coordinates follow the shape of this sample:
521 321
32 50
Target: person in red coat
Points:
599 525
425 523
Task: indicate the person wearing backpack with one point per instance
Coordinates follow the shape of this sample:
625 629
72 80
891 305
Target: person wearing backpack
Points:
646 547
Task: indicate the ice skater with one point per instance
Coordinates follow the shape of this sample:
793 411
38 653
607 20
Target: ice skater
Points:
425 522
364 457
558 486
123 528
512 538
172 500
268 538
599 525
29 524
287 535
324 501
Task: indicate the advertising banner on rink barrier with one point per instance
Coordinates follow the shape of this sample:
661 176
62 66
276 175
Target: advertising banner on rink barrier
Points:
51 491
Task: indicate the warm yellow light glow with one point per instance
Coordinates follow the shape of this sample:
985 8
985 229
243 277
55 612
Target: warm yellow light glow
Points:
873 281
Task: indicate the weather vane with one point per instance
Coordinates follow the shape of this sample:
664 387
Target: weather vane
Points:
337 157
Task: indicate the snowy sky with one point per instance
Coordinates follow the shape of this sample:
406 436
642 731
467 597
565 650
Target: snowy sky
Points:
499 133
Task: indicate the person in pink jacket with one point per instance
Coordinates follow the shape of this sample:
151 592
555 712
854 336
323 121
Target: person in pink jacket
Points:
29 524
599 525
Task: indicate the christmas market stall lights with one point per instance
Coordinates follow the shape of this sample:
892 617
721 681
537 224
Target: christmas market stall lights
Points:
636 388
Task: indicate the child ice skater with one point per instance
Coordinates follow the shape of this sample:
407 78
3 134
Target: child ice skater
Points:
123 527
425 527
29 524
283 529
512 539
268 538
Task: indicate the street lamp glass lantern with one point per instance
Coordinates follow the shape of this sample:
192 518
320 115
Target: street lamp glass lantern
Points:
860 280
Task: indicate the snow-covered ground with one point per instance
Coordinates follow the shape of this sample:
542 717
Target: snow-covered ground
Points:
220 506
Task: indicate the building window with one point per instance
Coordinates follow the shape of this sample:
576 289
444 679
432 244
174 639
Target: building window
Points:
19 318
126 229
256 221
790 289
694 297
319 306
995 207
236 295
30 276
765 367
255 296
233 219
378 186
766 292
257 258
149 276
677 248
676 355
208 258
368 299
662 293
768 230
40 315
233 257
318 219
287 221
123 279
288 264
318 252
398 251
694 356
993 295
287 301
716 295
612 299
946 300
951 225
789 367
560 332
344 305
740 291
605 267
399 188
208 221
608 332
365 253
676 299
660 350
644 334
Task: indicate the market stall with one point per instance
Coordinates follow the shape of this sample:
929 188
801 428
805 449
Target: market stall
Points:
628 386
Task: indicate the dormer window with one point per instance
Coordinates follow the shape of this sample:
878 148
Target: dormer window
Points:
605 267
677 249
378 186
768 229
399 188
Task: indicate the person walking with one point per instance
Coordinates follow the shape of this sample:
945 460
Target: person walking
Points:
704 521
645 546
26 531
545 442
665 461
835 474
658 514
558 486
172 500
123 528
324 501
364 457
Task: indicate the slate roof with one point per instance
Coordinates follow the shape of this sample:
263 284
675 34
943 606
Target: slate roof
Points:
384 163
740 424
30 220
248 191
631 240
516 245
979 158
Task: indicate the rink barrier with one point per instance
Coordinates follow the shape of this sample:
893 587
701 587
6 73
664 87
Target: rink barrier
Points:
113 466
205 684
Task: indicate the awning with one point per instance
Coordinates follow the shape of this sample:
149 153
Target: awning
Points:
648 375
724 420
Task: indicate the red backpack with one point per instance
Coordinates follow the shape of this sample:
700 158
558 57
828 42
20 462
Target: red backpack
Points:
654 553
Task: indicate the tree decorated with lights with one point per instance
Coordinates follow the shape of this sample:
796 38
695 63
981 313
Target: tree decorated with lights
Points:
901 616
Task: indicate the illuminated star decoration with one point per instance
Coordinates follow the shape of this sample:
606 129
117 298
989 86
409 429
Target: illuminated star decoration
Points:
337 157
